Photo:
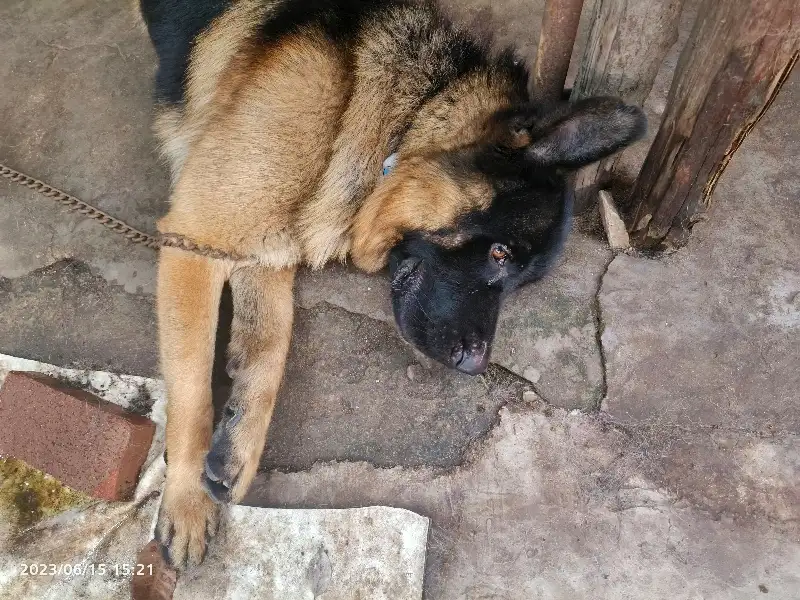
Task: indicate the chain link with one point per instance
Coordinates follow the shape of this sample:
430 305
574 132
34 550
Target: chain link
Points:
133 235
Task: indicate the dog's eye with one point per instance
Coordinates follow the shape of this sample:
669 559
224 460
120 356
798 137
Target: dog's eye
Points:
500 253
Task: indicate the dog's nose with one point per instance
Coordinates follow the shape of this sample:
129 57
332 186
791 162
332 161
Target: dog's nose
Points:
471 357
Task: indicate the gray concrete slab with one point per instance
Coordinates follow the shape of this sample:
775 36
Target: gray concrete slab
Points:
67 314
354 391
548 331
372 552
87 66
711 335
36 232
560 505
75 112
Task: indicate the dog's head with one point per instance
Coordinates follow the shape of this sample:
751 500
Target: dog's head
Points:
463 228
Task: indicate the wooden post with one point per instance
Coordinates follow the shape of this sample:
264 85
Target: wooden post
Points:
627 45
559 28
739 54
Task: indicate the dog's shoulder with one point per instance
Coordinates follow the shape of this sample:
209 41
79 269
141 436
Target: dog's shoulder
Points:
176 25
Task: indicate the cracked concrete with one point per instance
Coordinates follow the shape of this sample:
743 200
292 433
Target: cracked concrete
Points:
354 393
711 334
685 485
584 518
599 327
67 314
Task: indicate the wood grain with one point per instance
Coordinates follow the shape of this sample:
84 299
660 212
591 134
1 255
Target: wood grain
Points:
739 54
627 45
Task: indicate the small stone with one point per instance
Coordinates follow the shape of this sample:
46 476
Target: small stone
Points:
530 396
616 233
153 579
410 372
532 375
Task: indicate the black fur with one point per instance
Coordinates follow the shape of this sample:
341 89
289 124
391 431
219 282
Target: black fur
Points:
455 295
338 19
173 25
342 20
446 301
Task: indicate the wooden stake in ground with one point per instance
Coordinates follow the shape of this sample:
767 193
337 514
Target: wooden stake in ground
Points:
739 54
559 28
627 44
616 233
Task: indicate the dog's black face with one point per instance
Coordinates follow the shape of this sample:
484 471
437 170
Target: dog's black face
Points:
447 296
448 285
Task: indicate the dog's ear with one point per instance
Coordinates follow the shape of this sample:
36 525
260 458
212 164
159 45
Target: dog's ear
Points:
569 136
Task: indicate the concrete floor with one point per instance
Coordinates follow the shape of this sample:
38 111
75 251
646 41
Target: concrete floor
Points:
679 475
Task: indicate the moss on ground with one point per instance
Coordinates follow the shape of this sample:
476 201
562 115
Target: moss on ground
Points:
28 495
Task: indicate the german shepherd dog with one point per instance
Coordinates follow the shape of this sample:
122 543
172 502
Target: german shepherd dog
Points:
277 118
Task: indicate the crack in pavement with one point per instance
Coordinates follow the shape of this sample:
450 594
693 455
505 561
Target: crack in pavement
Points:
619 470
628 426
599 327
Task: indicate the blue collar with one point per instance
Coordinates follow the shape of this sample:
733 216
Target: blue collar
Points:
389 164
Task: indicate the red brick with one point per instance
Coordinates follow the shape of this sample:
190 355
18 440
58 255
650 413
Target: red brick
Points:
86 443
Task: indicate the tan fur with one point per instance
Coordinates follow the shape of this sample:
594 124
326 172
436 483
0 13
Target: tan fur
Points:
173 138
260 156
281 179
459 116
260 335
212 55
177 128
189 288
376 113
418 195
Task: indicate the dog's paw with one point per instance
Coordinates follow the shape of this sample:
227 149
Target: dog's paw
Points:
187 520
232 461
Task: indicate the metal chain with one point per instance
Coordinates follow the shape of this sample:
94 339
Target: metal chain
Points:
73 204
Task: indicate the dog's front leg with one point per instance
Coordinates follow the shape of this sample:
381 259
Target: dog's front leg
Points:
189 289
260 334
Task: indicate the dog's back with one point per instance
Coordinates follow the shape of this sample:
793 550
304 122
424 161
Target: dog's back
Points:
289 108
173 26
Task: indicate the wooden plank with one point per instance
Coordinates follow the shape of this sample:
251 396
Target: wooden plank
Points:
627 45
739 54
557 37
616 232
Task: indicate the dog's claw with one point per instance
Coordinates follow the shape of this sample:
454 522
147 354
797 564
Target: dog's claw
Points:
223 466
217 488
186 521
210 473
